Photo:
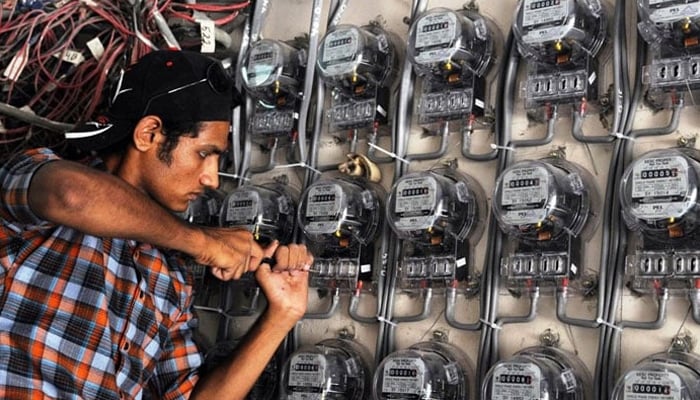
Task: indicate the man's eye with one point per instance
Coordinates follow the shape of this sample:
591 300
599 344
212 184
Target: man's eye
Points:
204 154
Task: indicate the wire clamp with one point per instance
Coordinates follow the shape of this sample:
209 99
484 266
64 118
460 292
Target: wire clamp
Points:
388 153
491 325
494 146
299 164
608 324
623 136
386 321
233 176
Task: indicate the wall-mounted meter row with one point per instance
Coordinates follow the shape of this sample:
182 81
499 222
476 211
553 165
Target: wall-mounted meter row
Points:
671 29
330 369
452 51
547 207
272 74
360 64
341 219
662 376
426 370
538 373
560 40
659 197
435 213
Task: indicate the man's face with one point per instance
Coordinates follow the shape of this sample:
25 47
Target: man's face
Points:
194 166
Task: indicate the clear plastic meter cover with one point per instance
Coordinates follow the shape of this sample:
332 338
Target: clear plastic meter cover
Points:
350 55
560 31
670 23
538 373
332 369
659 193
441 202
463 39
547 199
267 211
425 371
662 376
271 68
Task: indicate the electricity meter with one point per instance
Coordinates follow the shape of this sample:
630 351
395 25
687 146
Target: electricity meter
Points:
672 30
559 39
425 371
268 211
435 212
659 198
547 206
663 376
360 64
331 369
453 51
340 217
538 373
272 74
204 210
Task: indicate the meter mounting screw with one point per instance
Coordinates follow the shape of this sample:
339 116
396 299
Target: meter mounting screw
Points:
549 338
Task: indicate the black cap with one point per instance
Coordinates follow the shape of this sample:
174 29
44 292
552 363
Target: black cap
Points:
178 86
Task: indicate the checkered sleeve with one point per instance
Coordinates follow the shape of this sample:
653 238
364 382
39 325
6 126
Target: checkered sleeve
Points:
177 370
15 177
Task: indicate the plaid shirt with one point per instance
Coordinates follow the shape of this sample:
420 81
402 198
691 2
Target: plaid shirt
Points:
83 316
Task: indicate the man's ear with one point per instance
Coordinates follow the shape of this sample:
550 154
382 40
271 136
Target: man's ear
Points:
147 131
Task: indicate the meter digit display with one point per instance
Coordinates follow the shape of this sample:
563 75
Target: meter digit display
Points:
306 373
516 381
263 63
339 51
416 201
660 187
436 37
242 208
525 194
403 376
656 385
323 208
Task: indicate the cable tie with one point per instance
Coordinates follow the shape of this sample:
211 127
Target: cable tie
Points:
301 164
623 136
608 324
492 325
497 147
233 176
389 153
386 321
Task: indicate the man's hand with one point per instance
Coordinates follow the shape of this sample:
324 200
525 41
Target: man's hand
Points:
229 252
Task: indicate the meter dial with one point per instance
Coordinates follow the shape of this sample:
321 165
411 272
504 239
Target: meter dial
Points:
448 43
266 211
331 369
559 32
545 200
427 370
538 373
353 58
428 206
659 194
662 376
338 212
272 71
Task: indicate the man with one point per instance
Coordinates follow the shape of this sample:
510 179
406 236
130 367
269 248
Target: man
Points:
94 303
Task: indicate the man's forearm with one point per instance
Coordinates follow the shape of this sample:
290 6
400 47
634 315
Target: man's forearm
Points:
235 379
101 204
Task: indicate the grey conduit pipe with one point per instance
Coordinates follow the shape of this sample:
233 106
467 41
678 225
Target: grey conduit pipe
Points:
427 295
271 160
440 152
551 122
450 302
519 319
332 308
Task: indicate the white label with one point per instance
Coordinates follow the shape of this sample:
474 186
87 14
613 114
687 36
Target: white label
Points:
652 385
416 200
403 376
436 35
660 187
568 378
524 195
70 56
262 63
364 268
16 66
242 207
339 50
461 262
665 11
452 373
96 48
323 208
516 381
306 373
207 35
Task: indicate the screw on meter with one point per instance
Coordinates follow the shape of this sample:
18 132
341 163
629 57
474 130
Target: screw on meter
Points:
323 208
